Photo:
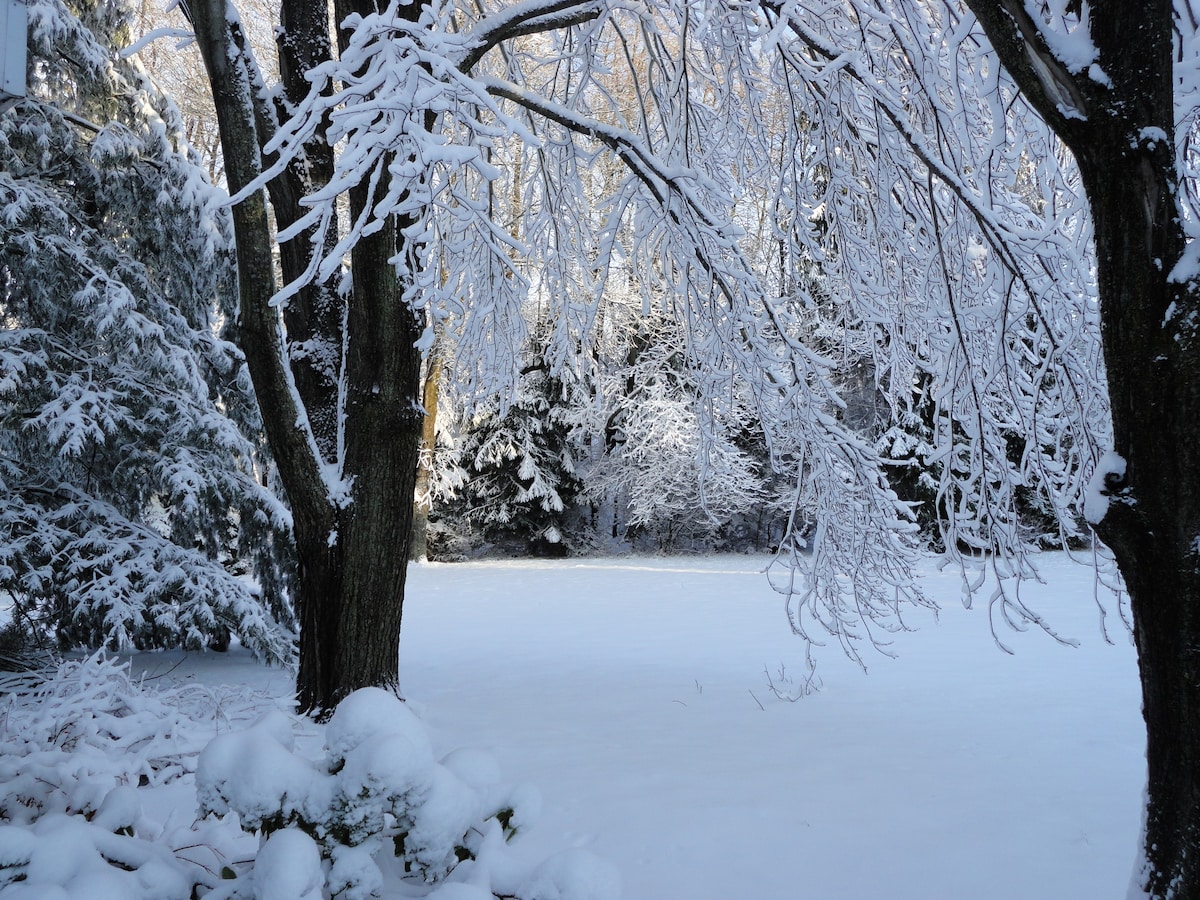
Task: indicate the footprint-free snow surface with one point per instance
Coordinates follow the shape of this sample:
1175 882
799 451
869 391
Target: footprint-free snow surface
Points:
635 695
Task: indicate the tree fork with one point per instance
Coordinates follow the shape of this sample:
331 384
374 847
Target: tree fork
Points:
352 545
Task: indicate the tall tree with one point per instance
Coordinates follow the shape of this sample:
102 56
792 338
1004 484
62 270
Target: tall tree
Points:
416 94
344 425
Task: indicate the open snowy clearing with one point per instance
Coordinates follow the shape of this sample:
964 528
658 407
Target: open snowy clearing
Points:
632 693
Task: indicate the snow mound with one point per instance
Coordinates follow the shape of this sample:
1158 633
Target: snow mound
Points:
288 867
255 774
374 712
573 875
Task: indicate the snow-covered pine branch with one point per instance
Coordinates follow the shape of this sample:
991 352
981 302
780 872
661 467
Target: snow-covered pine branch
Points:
132 462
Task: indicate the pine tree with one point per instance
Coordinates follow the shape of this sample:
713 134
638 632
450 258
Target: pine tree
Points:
131 470
521 462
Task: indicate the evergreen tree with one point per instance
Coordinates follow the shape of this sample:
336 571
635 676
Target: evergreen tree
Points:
523 482
131 471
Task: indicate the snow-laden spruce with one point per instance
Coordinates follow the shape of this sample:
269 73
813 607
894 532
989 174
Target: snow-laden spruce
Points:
132 508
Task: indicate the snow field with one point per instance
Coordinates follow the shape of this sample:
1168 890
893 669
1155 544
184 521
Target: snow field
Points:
631 695
629 692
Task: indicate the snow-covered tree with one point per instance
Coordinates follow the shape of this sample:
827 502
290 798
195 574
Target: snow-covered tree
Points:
132 504
417 101
1118 86
1012 205
671 466
522 480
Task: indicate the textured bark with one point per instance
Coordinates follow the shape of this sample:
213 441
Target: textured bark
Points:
314 316
1121 136
352 551
354 637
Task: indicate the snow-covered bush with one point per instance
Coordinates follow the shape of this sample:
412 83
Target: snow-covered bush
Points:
88 754
80 750
374 807
67 742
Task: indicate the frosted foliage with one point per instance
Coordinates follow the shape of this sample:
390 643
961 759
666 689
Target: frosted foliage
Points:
354 874
88 755
255 774
954 234
83 749
62 759
130 459
809 190
673 460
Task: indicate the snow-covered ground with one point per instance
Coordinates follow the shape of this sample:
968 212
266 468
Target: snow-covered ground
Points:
633 693
630 692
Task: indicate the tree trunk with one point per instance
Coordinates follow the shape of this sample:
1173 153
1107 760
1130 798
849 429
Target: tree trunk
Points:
351 527
313 317
1121 137
423 504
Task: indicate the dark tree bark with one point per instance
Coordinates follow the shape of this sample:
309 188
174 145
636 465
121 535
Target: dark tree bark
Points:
313 317
1121 135
352 549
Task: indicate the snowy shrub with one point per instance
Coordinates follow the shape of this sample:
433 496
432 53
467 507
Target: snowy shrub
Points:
69 741
79 750
376 806
87 754
87 860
